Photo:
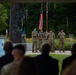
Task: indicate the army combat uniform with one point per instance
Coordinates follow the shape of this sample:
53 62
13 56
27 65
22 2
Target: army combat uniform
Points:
51 36
45 34
61 36
10 69
40 38
34 38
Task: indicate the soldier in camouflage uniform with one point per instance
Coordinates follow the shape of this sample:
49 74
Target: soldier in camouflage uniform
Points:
51 36
61 36
45 34
40 38
11 69
34 38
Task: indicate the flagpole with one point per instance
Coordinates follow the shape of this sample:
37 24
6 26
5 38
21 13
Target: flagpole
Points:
47 16
42 13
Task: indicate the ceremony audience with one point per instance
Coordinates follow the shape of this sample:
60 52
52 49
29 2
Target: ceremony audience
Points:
46 64
67 61
8 57
27 67
18 53
70 69
15 63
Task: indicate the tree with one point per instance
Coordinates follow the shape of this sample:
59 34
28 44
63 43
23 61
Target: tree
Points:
3 18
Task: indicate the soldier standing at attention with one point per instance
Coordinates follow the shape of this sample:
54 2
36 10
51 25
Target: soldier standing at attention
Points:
34 38
51 36
61 36
45 34
40 37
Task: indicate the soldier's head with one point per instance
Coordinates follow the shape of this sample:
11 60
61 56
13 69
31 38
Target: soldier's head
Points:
45 49
34 29
62 30
51 30
18 52
8 46
46 31
73 50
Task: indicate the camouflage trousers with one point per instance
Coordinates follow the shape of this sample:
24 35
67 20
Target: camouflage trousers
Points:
34 46
61 45
52 45
40 43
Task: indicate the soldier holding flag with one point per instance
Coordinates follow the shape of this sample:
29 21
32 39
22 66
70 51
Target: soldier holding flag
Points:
40 38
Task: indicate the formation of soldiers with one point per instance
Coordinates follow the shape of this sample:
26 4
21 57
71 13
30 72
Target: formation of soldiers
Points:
42 37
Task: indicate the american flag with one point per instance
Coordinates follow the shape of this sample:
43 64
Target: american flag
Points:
41 19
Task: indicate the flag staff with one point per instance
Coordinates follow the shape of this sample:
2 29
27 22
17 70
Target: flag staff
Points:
41 18
42 14
47 16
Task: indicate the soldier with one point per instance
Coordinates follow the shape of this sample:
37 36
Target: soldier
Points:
51 36
18 53
61 36
40 38
34 37
45 34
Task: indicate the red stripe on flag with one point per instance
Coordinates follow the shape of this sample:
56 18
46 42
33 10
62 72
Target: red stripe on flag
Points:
41 21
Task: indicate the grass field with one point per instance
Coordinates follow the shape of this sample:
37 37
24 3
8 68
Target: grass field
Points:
60 57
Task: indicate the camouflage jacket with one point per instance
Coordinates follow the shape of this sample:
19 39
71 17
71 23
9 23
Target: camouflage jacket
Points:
61 35
9 69
51 36
40 35
34 35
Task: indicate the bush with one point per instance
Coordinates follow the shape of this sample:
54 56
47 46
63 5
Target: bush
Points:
68 44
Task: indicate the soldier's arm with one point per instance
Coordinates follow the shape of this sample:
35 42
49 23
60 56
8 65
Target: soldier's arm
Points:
58 34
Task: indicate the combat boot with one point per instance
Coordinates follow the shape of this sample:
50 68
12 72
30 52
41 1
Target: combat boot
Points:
63 51
32 51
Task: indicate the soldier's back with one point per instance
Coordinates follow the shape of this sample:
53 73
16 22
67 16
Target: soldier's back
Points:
62 36
9 69
51 35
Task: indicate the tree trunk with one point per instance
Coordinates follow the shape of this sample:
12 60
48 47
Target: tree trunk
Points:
14 31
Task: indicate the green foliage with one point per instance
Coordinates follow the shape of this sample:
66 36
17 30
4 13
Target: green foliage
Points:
3 18
68 44
60 16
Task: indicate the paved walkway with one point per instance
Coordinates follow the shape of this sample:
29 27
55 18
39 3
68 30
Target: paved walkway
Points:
29 50
56 52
